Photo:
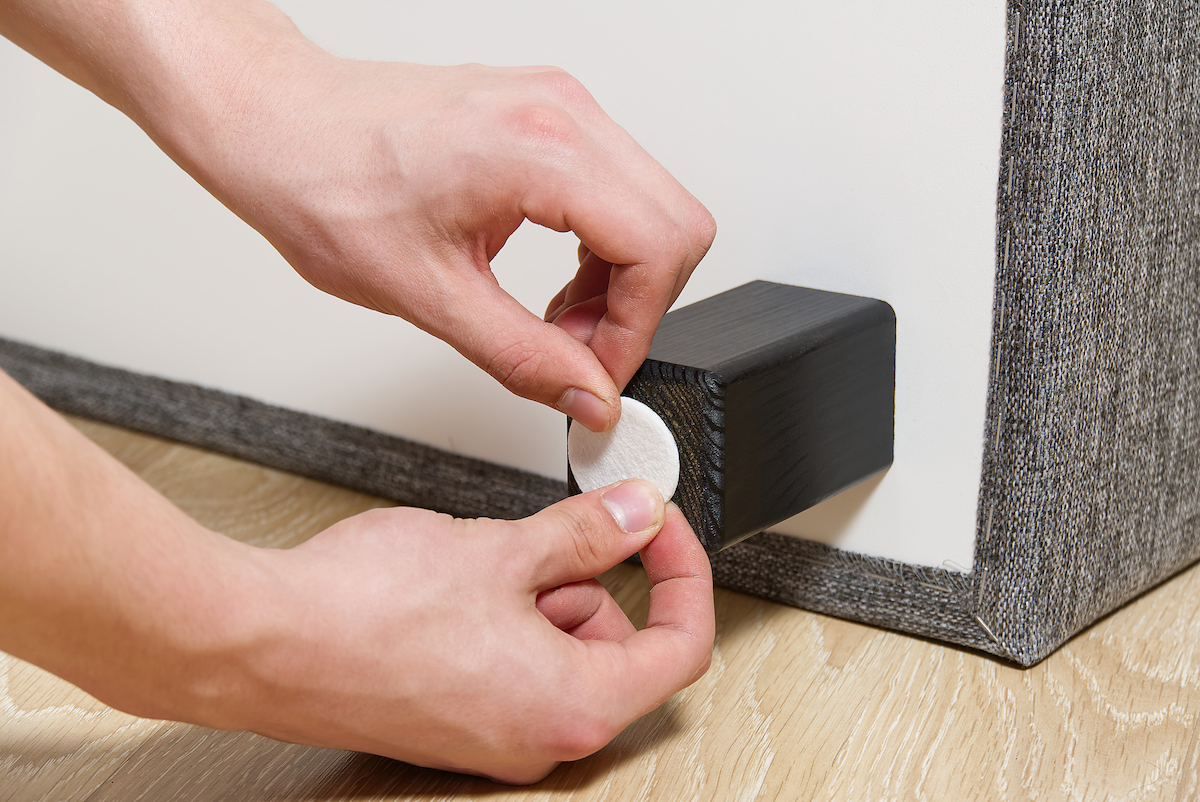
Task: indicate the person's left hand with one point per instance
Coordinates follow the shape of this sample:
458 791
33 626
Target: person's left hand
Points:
480 646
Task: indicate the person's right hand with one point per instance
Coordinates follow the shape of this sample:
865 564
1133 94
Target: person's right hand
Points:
394 185
475 645
478 645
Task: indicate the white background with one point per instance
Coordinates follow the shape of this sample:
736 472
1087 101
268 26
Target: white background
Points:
849 146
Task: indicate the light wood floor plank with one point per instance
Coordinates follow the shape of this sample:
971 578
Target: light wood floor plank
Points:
56 742
796 705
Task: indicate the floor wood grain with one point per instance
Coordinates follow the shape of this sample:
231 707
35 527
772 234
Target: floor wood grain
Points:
796 705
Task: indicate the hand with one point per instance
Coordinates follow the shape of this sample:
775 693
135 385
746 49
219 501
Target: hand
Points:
480 646
394 185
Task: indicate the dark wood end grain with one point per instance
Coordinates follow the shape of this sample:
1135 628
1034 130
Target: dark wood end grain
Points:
778 397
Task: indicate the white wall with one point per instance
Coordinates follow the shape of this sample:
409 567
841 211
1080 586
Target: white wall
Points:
850 146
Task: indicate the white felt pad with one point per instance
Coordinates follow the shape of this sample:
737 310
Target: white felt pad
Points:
640 446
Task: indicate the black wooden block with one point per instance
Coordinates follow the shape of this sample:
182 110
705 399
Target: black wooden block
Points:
778 398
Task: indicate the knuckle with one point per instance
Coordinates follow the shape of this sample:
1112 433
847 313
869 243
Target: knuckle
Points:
681 243
582 528
641 295
563 87
703 228
545 126
639 283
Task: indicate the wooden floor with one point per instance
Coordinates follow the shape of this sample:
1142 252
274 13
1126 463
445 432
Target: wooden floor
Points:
796 705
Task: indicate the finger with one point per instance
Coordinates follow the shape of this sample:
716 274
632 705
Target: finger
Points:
556 304
532 358
680 575
638 297
675 649
559 301
637 278
590 281
583 536
586 611
581 320
653 233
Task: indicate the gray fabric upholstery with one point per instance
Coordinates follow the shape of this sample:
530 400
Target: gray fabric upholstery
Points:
1090 488
1091 474
1090 484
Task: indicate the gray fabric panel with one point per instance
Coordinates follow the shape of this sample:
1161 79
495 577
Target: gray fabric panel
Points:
1092 462
930 602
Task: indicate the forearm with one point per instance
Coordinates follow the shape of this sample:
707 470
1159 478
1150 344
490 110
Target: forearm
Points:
163 63
106 583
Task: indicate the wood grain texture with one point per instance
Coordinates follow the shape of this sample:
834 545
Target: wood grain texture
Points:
692 404
778 397
796 705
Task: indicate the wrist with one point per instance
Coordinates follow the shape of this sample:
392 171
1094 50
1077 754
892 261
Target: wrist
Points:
217 636
206 84
185 71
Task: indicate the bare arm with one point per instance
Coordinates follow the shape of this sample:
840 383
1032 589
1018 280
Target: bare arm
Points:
104 582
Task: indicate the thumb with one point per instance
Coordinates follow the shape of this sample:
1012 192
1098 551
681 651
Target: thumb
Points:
585 535
532 358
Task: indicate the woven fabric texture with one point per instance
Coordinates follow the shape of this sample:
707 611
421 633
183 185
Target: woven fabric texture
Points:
1091 474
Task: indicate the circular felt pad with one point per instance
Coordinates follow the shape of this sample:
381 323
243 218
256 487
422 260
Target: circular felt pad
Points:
640 446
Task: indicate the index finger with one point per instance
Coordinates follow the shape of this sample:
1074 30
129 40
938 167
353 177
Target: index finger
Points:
630 213
642 285
675 649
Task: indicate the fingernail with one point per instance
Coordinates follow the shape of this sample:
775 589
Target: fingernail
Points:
585 408
633 505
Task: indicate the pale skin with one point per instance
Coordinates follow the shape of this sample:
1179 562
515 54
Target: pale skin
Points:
479 646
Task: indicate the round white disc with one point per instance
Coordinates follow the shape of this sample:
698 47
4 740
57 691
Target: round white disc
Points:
640 446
